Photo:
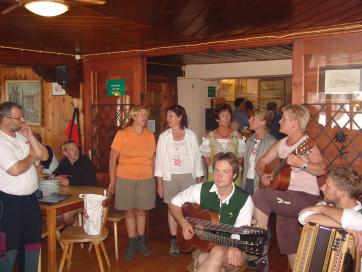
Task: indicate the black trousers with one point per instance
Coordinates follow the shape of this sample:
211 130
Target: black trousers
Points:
20 227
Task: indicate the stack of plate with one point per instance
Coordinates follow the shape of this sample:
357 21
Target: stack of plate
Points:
49 186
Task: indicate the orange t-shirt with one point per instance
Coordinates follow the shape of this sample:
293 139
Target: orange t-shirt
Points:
136 153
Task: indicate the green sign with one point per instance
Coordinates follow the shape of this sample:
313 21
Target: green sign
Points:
211 91
116 87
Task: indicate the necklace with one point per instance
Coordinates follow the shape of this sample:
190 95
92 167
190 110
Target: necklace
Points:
223 135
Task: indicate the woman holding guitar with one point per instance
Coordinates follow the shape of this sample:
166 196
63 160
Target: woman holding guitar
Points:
302 191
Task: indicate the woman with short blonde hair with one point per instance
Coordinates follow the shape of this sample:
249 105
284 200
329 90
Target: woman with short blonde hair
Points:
132 179
302 191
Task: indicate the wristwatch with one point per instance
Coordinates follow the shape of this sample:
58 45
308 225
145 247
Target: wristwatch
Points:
304 166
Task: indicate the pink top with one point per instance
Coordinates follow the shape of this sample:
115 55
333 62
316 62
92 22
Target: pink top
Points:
300 180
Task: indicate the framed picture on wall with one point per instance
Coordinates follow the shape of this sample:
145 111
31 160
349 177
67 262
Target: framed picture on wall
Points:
26 93
340 82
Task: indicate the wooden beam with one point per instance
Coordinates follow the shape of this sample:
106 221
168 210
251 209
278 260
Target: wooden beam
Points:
298 72
17 57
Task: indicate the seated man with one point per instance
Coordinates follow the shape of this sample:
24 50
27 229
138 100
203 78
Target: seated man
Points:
48 166
341 207
76 170
223 197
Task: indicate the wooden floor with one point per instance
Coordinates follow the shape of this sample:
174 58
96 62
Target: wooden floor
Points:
158 242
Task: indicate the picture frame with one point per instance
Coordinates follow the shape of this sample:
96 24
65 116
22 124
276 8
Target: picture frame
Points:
28 94
340 82
57 89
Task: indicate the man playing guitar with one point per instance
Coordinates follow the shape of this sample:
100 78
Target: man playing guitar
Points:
233 205
303 190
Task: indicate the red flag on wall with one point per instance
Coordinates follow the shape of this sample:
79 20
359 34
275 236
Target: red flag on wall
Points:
72 130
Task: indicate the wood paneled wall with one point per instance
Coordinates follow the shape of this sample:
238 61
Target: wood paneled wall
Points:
56 110
309 55
97 70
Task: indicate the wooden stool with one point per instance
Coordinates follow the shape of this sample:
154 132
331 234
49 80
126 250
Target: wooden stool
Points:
115 216
76 234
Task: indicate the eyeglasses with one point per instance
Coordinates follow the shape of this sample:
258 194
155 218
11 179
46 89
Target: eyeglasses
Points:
16 118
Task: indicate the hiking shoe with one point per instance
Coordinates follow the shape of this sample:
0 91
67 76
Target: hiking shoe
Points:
141 246
131 249
174 251
261 264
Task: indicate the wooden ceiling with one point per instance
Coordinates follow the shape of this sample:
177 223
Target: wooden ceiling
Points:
277 52
122 25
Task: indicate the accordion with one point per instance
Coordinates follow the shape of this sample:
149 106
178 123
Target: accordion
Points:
324 249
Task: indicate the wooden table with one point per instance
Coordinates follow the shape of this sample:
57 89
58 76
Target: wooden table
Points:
51 211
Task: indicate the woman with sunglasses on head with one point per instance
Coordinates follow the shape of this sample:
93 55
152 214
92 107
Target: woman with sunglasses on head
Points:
256 146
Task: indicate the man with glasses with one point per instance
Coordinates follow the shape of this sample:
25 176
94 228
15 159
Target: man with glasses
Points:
20 218
233 205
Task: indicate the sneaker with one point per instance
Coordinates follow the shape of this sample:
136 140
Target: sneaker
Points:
174 251
141 246
131 249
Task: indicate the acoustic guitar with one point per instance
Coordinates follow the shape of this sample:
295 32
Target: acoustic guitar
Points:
209 233
280 170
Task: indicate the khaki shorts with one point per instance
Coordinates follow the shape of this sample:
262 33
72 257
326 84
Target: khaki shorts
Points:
178 183
135 194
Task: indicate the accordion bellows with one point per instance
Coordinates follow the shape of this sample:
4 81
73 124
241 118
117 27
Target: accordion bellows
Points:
324 249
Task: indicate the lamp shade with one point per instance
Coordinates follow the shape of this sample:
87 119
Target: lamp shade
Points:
47 8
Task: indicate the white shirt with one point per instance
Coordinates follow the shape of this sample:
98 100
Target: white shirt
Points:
163 159
53 165
251 170
351 219
193 195
12 150
348 217
180 162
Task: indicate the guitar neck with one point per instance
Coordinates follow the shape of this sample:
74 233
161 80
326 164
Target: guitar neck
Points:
279 168
206 224
217 227
252 248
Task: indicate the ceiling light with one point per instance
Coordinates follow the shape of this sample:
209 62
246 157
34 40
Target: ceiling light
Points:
47 8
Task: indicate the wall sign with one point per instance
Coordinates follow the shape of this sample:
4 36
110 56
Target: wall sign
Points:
211 91
116 87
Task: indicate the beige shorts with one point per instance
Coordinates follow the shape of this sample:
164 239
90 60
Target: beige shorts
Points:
178 183
135 194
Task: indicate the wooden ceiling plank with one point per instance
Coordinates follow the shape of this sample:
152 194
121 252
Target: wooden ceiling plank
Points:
221 24
123 24
303 9
308 18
